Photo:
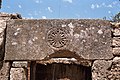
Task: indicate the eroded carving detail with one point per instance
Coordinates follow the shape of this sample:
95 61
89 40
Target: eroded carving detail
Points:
57 38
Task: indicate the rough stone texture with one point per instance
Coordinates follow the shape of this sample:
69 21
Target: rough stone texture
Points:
6 16
116 32
37 39
116 42
4 71
4 78
66 61
18 74
115 24
106 70
114 73
100 70
20 64
3 19
116 51
2 35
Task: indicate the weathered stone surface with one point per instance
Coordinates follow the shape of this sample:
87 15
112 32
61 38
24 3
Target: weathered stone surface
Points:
4 78
4 71
116 51
116 41
106 70
37 39
116 59
6 16
115 24
114 72
2 35
17 74
66 61
116 32
100 69
116 63
20 64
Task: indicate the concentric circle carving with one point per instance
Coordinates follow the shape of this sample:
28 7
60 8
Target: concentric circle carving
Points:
57 38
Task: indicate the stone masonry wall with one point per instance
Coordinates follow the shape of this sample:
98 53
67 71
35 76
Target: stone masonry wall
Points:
109 69
106 69
5 65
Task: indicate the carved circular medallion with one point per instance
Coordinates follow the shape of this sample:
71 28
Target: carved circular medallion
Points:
57 38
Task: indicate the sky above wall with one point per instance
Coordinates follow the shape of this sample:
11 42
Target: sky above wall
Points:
47 9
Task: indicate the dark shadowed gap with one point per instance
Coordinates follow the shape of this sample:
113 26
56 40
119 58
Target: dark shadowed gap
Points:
59 71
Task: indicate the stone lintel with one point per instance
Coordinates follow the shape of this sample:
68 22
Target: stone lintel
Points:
38 39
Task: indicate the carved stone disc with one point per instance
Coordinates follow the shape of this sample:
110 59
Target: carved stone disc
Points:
57 38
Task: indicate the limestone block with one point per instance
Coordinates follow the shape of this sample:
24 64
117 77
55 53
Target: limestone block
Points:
100 69
4 71
115 69
20 64
4 78
18 74
116 41
2 34
114 76
2 29
116 51
116 32
116 62
38 39
115 24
